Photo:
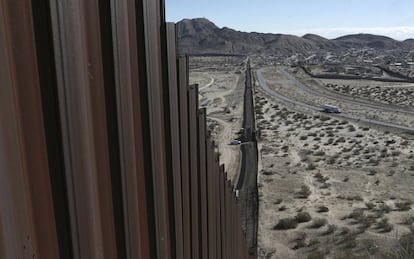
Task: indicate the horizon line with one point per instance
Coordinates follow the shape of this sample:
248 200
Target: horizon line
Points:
390 32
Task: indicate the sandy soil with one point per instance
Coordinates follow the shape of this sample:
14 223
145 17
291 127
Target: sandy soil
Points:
356 183
221 86
404 71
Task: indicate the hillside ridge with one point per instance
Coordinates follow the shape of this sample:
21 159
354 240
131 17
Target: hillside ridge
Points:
200 35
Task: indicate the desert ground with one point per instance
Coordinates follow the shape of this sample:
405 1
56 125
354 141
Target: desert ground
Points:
221 89
331 187
396 93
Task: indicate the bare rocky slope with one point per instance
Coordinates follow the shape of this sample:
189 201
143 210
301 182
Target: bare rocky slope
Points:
201 36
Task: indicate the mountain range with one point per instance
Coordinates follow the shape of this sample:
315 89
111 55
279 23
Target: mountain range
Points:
200 36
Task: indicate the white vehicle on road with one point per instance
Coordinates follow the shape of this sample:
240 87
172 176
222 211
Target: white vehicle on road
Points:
235 142
330 109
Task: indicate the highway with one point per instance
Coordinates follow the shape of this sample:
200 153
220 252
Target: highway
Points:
268 90
348 99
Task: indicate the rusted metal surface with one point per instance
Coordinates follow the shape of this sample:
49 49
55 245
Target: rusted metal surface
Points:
222 210
175 137
211 202
203 182
104 152
82 103
26 210
194 175
217 203
130 84
51 116
108 57
229 219
185 164
152 21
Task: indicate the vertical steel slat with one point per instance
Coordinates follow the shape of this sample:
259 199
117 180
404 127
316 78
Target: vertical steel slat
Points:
224 219
222 212
102 174
211 201
234 227
175 137
108 63
130 124
82 101
203 182
3 236
220 224
152 33
14 220
217 203
52 123
185 170
194 174
239 230
228 218
142 174
14 213
26 206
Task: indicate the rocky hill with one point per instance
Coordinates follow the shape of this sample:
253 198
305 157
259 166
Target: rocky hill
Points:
367 40
199 36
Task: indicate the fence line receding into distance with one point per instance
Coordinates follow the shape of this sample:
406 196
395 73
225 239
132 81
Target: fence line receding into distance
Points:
104 152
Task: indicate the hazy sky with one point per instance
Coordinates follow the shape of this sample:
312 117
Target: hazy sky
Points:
328 18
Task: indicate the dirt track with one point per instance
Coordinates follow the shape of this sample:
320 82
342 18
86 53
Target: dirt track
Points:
221 85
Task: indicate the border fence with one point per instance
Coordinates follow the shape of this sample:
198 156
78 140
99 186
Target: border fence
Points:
104 152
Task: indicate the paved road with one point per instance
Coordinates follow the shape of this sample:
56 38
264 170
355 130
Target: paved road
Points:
273 93
348 99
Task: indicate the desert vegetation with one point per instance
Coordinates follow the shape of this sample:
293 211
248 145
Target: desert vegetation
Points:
331 188
377 92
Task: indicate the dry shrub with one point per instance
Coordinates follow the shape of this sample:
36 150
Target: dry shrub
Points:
286 223
304 192
403 206
318 222
331 229
302 217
